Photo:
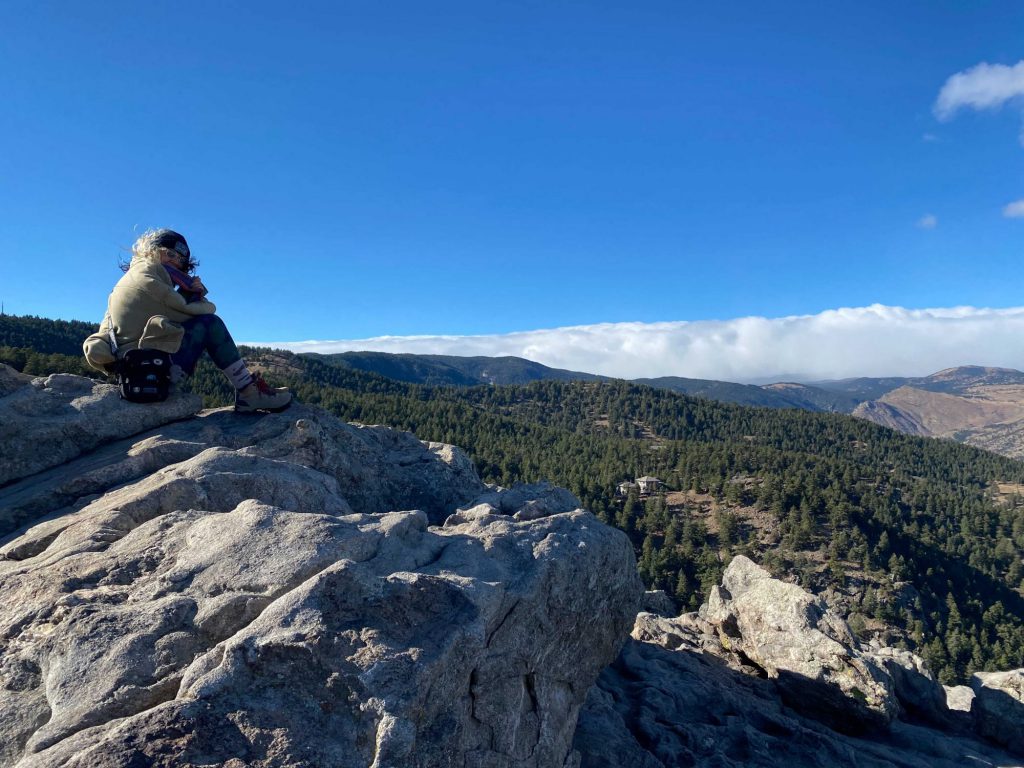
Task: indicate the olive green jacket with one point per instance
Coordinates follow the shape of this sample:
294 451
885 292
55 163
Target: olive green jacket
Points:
143 301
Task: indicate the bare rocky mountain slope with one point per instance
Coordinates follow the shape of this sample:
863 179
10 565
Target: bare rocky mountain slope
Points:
194 588
983 407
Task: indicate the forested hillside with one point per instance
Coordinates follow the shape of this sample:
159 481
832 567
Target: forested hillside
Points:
917 539
38 346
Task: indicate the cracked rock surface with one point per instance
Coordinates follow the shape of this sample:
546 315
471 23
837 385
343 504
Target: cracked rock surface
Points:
272 592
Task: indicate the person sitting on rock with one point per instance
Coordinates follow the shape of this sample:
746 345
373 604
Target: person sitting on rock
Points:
160 303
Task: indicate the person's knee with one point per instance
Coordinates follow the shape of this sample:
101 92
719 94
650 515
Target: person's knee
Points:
218 331
214 326
197 336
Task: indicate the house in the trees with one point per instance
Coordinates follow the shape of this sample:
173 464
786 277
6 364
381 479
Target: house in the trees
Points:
648 484
623 488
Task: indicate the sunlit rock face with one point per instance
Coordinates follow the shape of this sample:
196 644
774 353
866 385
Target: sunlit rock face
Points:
999 707
766 674
290 590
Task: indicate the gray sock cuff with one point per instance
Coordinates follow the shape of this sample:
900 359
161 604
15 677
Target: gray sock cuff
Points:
238 374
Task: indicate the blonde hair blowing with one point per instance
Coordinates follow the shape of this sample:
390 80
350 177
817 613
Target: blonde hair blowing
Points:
145 247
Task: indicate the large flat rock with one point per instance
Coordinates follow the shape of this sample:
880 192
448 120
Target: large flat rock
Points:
375 468
60 417
271 592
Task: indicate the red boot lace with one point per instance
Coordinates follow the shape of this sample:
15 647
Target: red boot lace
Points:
261 386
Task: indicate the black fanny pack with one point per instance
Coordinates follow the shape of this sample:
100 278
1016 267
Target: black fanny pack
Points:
144 375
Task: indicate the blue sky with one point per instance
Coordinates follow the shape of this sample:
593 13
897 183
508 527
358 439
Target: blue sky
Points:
360 169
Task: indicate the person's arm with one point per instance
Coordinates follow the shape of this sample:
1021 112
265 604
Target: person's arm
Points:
165 294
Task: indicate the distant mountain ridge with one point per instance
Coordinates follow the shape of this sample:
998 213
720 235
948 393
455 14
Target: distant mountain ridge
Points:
978 405
452 370
781 395
949 380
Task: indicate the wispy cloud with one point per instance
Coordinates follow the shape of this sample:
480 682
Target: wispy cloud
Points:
983 86
867 341
1014 210
928 221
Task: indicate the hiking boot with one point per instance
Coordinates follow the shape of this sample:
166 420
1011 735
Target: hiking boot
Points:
260 396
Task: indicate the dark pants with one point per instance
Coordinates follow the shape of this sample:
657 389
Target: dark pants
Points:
205 333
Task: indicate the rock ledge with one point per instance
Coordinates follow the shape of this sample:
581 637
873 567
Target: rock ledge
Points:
280 591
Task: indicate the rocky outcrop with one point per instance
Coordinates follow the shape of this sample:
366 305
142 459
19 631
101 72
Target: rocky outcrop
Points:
716 688
10 380
959 698
915 686
998 707
372 468
271 591
656 601
797 641
530 501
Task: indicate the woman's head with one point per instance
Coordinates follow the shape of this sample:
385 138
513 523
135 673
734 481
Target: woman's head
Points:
167 246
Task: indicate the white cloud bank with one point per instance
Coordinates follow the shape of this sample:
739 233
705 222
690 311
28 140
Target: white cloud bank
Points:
928 221
839 343
983 86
